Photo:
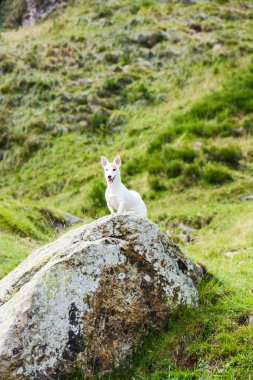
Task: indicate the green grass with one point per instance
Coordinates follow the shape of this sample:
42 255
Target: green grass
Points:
13 251
86 83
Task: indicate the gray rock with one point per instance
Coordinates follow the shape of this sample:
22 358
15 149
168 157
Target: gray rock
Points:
250 319
86 299
60 219
70 219
231 254
39 10
247 198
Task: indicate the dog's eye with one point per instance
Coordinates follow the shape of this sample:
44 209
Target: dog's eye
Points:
106 170
114 170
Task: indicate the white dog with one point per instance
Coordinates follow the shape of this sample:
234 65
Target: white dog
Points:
117 196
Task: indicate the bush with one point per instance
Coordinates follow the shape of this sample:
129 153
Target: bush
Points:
216 175
156 184
230 155
192 172
170 160
135 166
4 136
97 198
160 140
155 164
34 142
7 66
100 120
112 86
174 168
186 154
248 125
37 125
141 91
206 129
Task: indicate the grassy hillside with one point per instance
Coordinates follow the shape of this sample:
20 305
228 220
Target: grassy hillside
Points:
169 86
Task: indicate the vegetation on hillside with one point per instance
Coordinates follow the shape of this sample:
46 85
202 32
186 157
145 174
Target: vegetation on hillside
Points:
169 86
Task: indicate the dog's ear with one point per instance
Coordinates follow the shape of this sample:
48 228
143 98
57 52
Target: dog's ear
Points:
104 161
117 160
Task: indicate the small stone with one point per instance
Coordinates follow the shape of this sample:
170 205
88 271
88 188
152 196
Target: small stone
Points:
198 144
186 237
250 320
217 47
121 276
231 254
247 198
242 263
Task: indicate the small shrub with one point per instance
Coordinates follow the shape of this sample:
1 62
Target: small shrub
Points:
97 198
156 184
192 172
4 136
230 155
117 118
155 164
112 86
248 125
160 140
37 125
100 119
141 92
186 154
32 58
135 166
174 168
7 66
34 142
216 175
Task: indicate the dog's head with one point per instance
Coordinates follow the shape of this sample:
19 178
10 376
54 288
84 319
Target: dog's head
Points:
111 169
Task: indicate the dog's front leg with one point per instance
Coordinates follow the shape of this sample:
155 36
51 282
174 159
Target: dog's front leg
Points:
110 208
121 207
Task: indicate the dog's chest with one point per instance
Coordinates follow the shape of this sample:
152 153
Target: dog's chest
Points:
113 201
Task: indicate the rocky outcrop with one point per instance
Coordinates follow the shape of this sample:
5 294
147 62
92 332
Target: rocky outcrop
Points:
23 12
85 300
39 9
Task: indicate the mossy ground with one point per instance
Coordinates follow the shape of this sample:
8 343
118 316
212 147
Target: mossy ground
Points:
170 88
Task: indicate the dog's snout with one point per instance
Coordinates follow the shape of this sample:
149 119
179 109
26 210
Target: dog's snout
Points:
109 176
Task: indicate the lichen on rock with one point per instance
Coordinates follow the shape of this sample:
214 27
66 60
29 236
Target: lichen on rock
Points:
87 299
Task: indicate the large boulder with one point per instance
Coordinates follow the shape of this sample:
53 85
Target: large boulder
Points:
85 300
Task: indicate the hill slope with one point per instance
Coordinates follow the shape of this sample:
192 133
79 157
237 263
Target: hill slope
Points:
170 88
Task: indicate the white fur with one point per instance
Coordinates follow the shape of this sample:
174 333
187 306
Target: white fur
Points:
117 196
